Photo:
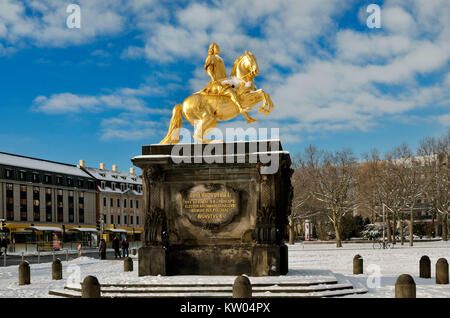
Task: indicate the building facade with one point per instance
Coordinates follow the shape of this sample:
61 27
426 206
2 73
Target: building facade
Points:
119 200
48 205
37 194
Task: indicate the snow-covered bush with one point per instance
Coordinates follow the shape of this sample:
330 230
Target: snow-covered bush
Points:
372 231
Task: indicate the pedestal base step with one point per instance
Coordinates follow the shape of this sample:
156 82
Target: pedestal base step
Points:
270 290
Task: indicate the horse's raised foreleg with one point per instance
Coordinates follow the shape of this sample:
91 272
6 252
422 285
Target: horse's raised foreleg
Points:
267 105
251 98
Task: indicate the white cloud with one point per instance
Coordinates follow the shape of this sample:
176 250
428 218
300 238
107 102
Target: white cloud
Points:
47 25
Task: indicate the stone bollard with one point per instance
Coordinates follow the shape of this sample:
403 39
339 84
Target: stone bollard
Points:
57 269
242 288
24 273
357 265
425 267
442 271
128 264
405 287
90 288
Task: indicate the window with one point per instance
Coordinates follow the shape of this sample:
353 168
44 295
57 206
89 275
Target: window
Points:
22 175
36 204
137 204
111 202
81 207
112 219
80 183
59 206
91 185
48 205
71 208
104 202
9 202
124 203
59 180
23 202
131 219
139 188
69 182
131 204
48 179
122 187
113 186
125 219
102 185
118 203
118 220
137 220
9 173
104 218
35 177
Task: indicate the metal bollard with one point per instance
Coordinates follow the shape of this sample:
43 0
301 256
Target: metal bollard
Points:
24 273
357 265
425 267
128 264
405 287
442 271
39 257
90 288
57 269
242 288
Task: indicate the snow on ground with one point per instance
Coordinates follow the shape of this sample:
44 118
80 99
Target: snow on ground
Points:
307 262
390 262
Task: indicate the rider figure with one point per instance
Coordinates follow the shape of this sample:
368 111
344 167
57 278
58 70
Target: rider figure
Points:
215 68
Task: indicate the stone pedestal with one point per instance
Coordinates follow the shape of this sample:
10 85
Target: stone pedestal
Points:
215 209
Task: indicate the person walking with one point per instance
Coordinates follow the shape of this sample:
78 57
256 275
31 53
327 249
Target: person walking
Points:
116 247
102 248
124 245
3 246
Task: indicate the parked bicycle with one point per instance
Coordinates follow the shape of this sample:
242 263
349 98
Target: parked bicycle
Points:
380 244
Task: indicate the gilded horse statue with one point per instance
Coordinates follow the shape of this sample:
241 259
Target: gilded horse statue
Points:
204 110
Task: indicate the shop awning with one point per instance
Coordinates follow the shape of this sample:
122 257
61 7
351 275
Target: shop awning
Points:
43 229
116 231
83 229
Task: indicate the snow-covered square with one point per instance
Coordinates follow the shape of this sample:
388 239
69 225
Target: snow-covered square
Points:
307 263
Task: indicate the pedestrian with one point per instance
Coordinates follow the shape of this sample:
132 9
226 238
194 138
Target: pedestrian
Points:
102 248
124 246
116 247
3 246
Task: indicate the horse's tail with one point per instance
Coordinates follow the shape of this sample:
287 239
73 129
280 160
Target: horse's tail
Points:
173 136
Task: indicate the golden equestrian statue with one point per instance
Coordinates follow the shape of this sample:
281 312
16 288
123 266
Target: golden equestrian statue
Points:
222 99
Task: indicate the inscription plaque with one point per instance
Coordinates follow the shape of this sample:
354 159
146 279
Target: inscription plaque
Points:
210 205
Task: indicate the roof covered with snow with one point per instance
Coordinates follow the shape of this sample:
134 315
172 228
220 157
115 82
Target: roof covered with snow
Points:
40 164
109 175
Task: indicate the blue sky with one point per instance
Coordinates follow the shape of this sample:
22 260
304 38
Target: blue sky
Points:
102 91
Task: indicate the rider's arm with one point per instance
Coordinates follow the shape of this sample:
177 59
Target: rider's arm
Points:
209 68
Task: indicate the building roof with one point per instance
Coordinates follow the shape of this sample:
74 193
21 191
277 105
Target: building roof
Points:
109 175
40 164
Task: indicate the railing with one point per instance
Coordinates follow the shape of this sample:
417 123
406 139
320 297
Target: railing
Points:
41 246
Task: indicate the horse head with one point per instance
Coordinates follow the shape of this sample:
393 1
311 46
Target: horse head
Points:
246 68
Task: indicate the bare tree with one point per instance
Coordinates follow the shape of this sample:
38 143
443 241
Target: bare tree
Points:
410 173
435 153
332 178
378 186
